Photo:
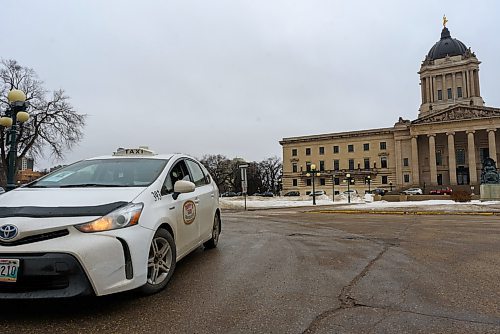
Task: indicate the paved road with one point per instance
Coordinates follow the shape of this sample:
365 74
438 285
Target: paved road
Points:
290 271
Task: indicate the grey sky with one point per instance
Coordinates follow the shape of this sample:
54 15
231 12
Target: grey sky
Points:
234 77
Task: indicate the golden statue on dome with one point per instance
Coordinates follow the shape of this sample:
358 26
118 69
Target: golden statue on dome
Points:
444 21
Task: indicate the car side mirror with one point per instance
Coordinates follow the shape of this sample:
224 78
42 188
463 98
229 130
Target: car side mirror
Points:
182 187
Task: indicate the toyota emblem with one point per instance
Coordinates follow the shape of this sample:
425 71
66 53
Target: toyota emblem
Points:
8 232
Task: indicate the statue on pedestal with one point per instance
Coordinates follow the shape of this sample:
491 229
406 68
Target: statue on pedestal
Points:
489 173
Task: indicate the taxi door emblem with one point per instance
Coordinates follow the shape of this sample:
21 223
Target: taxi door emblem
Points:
189 212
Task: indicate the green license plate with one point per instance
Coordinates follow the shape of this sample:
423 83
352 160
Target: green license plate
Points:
8 270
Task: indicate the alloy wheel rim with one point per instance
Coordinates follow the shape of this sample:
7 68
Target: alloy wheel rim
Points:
159 261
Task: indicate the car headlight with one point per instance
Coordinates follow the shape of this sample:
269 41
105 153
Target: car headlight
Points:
120 218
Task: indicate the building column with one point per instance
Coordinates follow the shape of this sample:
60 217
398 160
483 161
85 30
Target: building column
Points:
433 88
465 89
472 85
399 158
453 87
452 162
472 156
414 161
492 144
432 158
429 89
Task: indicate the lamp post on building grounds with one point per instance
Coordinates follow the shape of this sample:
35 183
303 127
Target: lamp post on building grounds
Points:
368 180
348 179
390 185
15 113
313 172
333 187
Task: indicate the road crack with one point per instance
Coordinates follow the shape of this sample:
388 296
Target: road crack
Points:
345 298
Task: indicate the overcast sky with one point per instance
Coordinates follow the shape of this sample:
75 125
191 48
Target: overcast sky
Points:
235 77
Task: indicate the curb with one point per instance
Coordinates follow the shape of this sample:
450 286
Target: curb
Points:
429 213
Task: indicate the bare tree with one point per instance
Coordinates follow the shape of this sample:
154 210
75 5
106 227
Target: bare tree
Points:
219 166
54 124
271 170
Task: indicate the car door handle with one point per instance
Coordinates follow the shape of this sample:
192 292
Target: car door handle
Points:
212 195
196 201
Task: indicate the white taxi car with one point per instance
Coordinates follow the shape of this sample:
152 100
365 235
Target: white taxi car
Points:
105 225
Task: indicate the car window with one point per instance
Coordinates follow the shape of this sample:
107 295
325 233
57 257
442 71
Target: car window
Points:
178 172
196 173
120 172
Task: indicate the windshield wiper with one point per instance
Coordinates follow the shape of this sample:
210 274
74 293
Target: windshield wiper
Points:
97 185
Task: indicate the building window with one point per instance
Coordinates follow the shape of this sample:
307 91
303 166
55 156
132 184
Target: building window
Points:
337 181
335 149
294 167
308 151
321 165
308 166
321 150
366 147
383 162
406 178
322 182
450 95
484 153
350 148
440 94
336 164
351 164
383 145
294 152
308 182
405 162
439 158
459 91
294 182
384 179
367 163
460 156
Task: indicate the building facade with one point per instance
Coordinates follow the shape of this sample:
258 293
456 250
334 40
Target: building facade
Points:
444 146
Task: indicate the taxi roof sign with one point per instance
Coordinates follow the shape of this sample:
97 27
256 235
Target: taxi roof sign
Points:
142 150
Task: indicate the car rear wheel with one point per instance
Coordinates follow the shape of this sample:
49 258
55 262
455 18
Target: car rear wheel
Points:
161 262
212 243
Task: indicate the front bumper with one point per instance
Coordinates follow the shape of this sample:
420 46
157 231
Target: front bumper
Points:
79 264
49 275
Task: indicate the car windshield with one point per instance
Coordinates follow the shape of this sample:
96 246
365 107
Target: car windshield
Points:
122 172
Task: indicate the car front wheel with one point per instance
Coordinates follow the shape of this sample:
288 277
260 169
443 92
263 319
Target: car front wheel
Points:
161 262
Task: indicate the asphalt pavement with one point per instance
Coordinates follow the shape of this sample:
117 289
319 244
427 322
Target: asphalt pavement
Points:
297 271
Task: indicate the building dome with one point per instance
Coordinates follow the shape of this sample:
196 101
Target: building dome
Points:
446 46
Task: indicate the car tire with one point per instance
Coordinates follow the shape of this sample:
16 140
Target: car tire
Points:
212 243
161 262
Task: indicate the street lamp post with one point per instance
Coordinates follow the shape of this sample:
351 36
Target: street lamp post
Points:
369 181
390 185
333 187
15 113
313 172
348 179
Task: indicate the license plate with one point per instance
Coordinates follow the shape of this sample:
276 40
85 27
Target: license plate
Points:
8 270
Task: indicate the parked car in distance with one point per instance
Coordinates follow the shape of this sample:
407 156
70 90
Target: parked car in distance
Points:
228 194
378 191
412 191
442 191
267 194
317 193
256 194
292 193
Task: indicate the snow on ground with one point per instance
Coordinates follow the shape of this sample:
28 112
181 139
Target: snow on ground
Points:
357 203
